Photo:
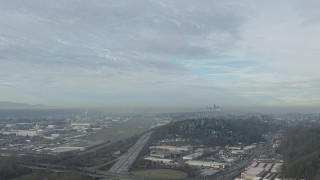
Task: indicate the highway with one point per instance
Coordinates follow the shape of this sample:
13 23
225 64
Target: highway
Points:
126 160
117 171
95 174
76 156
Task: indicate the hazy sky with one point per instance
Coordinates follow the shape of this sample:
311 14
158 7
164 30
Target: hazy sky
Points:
155 53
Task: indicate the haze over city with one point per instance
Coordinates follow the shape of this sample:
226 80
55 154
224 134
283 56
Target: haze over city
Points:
159 89
173 53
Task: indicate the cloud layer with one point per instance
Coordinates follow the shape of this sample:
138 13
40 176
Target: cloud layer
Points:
160 53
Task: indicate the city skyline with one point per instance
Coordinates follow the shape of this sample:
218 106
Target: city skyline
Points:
174 53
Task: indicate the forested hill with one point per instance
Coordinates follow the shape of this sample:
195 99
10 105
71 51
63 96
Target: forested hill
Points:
216 132
301 150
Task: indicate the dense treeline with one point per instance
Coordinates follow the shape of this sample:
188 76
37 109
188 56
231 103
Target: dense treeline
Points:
216 132
41 175
208 132
9 169
301 151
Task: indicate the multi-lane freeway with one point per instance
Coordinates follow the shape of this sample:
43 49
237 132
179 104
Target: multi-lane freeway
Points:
94 174
117 171
126 160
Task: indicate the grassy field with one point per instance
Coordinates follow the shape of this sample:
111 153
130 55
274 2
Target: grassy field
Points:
123 130
159 174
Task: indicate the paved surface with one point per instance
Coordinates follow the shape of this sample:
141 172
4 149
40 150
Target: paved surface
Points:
235 170
126 160
95 174
118 171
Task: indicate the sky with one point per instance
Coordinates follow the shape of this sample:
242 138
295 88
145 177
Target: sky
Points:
168 53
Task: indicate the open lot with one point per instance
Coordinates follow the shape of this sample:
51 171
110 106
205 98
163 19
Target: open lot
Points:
159 174
134 126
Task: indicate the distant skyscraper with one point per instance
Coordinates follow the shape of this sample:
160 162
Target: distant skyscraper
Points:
215 107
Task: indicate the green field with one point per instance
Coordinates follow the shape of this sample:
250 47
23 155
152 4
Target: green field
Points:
159 174
123 130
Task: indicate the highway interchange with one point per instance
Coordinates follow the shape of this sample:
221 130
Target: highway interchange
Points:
118 171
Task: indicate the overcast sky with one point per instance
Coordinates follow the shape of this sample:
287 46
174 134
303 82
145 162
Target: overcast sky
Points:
160 53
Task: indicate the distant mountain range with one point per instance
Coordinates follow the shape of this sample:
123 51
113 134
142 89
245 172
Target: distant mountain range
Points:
8 104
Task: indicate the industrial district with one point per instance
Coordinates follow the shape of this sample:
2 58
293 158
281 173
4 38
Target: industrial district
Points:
127 146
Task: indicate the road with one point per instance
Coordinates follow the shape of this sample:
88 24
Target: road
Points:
235 170
95 174
117 171
126 160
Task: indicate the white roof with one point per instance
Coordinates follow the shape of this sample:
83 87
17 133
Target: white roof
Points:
254 171
158 159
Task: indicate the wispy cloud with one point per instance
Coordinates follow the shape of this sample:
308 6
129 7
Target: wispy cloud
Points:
6 84
71 52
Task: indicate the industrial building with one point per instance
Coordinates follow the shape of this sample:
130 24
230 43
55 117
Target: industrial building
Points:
173 148
210 164
250 147
22 132
159 160
237 152
80 126
262 171
192 156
